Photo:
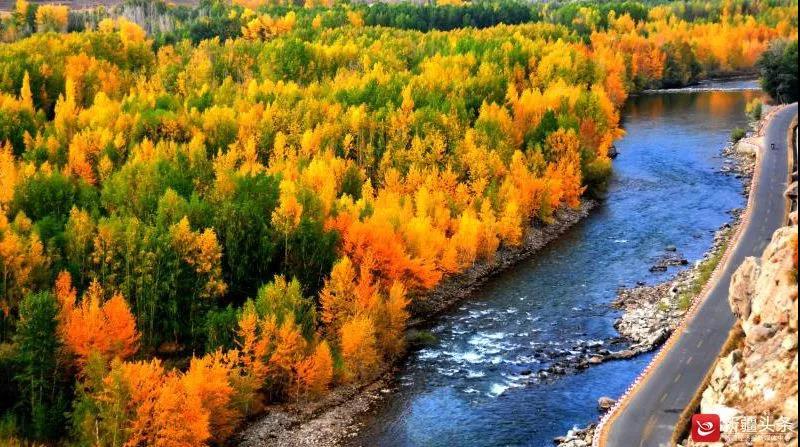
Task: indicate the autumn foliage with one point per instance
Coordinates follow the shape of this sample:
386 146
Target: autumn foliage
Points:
95 325
241 207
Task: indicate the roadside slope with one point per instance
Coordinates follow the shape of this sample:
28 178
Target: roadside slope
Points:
647 416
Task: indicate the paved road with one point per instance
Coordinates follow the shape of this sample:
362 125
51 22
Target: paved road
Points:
652 412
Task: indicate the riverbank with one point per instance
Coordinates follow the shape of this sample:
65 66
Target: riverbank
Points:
651 313
330 420
456 288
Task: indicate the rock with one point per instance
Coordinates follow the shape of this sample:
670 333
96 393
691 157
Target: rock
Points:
605 402
745 147
660 336
595 360
759 333
576 437
791 191
613 152
671 248
742 286
669 260
623 354
790 342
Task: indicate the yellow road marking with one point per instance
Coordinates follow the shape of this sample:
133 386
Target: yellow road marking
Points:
663 396
689 360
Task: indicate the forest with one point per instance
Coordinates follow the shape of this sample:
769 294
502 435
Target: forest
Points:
208 210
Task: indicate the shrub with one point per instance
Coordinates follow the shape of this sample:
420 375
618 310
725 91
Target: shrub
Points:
737 134
754 109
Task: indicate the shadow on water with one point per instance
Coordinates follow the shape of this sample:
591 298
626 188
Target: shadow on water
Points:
472 387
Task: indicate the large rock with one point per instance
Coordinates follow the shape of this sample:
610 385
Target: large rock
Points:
747 147
791 191
776 300
605 403
742 288
759 376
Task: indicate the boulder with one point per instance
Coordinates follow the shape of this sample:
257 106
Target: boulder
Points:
791 191
745 147
658 337
740 293
605 403
759 333
624 354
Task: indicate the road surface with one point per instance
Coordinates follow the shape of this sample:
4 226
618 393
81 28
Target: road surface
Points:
651 413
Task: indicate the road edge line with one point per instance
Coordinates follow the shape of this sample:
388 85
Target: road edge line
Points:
601 433
736 333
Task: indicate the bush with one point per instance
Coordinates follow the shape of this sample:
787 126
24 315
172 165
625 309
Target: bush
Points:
754 109
418 339
737 134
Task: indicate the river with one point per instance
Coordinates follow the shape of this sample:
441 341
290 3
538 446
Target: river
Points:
472 387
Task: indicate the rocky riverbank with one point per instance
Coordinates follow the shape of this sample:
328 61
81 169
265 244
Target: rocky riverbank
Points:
321 423
330 420
652 312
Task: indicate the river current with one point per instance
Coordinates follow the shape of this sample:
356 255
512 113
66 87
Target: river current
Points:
473 387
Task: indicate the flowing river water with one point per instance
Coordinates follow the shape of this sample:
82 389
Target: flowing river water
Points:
473 388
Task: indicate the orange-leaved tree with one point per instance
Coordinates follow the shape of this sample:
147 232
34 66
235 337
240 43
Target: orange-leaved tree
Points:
96 325
315 373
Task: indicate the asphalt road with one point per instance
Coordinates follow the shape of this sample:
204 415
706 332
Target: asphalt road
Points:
651 413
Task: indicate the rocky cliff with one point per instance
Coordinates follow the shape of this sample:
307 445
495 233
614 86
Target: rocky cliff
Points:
759 375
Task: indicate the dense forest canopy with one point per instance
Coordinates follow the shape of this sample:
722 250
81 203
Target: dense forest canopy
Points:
205 210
